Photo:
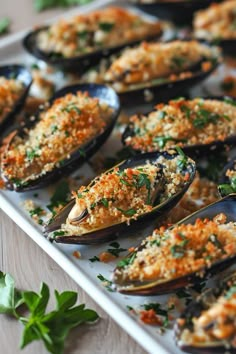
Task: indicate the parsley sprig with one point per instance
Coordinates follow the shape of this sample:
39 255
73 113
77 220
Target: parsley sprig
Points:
50 327
41 5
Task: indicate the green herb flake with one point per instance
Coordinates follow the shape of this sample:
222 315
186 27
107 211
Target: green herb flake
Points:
107 283
162 140
59 233
94 259
4 25
161 114
106 26
36 211
177 251
116 249
129 212
31 154
41 5
60 197
127 261
182 160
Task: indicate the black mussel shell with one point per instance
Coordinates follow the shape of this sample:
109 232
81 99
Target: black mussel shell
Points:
194 310
192 150
76 64
180 11
228 46
101 235
227 206
18 72
157 92
76 159
226 185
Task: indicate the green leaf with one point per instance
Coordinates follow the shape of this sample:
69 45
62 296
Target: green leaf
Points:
65 300
37 304
28 336
41 5
4 25
10 298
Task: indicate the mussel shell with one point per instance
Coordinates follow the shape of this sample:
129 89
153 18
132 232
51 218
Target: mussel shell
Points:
76 64
228 46
194 309
180 12
18 72
102 235
76 159
227 206
192 150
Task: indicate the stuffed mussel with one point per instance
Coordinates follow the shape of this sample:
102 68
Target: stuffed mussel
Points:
198 246
15 81
63 134
195 125
217 24
208 324
178 11
156 70
133 192
82 41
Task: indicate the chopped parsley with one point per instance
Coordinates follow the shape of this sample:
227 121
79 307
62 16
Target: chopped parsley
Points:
230 100
94 259
82 152
71 107
106 26
128 212
59 233
183 159
177 251
31 154
36 211
4 25
60 197
127 261
214 239
116 249
204 117
107 283
177 62
54 128
162 140
161 114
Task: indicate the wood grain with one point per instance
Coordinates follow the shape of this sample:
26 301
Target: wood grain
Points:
29 265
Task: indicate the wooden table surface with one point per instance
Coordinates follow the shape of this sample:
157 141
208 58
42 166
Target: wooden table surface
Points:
29 265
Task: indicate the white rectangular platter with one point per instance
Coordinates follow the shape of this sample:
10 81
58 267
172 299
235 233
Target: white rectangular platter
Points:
83 271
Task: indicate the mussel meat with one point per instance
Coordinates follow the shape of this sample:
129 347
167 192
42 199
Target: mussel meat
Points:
15 81
198 246
83 40
156 70
208 324
217 24
131 193
195 125
62 135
